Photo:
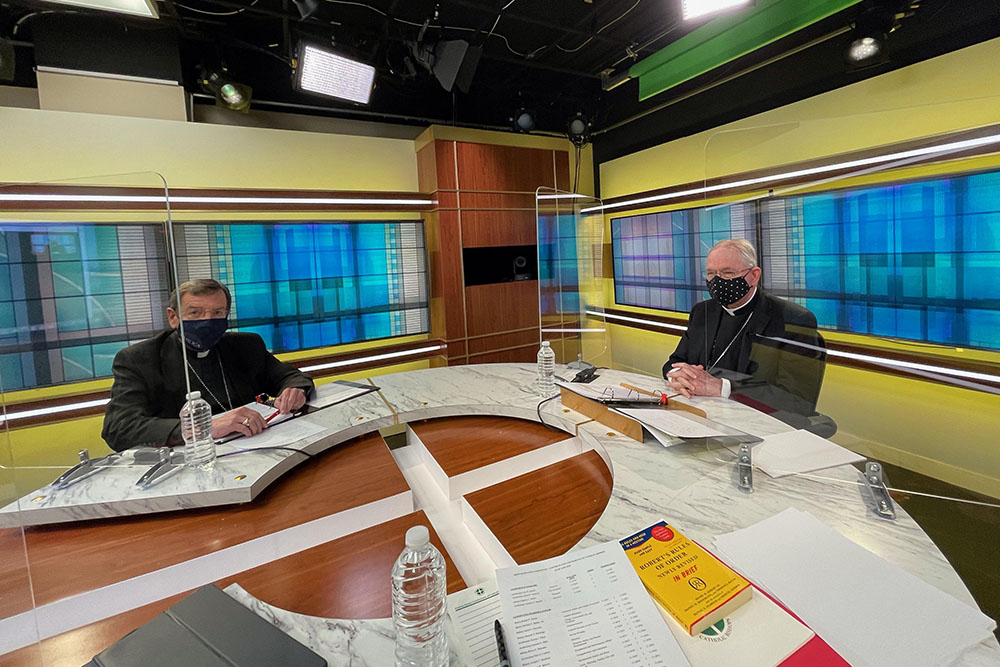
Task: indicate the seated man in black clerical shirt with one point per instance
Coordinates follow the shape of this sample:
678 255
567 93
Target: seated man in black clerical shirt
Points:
747 343
229 369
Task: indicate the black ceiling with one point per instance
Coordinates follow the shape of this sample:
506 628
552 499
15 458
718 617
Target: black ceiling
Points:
545 55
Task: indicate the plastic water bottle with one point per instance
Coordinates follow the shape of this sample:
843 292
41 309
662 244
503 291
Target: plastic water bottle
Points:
418 603
546 383
196 428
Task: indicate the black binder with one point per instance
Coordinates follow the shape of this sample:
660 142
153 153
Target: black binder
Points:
207 629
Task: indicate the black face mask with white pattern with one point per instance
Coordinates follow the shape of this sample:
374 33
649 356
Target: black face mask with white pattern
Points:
729 291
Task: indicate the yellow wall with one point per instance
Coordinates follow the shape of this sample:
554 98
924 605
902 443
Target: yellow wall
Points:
53 145
955 91
951 434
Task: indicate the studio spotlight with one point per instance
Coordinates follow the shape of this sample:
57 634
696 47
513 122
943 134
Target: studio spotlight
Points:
6 61
306 7
228 93
578 129
322 72
523 120
876 19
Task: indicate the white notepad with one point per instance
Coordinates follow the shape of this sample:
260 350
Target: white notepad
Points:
871 612
796 452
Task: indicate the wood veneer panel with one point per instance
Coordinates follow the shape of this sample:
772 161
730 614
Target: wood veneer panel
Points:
504 341
345 578
449 270
461 444
497 201
545 512
498 228
76 647
427 176
444 153
526 354
15 583
67 559
501 307
491 167
564 179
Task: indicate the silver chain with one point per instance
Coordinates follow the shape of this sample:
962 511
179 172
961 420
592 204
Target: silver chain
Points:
229 400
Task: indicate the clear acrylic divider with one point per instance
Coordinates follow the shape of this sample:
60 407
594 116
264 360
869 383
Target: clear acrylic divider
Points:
85 271
571 277
890 350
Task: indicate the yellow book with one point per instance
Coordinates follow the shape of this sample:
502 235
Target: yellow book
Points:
695 587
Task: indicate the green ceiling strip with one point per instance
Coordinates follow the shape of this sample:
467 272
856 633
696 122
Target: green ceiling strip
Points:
726 38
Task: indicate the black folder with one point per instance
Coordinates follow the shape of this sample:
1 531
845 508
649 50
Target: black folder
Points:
207 629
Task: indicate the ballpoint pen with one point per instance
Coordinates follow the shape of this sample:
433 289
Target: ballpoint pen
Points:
501 646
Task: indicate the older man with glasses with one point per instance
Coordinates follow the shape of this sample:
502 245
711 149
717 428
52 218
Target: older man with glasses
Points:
747 342
229 369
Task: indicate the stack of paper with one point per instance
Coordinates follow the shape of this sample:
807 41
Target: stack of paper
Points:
797 452
585 608
672 422
868 610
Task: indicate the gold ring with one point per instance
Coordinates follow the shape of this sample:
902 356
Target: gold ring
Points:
246 422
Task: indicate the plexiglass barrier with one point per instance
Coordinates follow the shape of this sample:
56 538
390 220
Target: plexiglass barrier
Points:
571 284
84 272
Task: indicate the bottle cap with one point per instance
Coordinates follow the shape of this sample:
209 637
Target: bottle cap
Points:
545 343
193 395
418 536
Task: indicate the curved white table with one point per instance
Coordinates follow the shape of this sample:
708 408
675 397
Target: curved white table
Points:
688 486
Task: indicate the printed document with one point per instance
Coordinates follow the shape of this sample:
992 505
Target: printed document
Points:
584 608
472 613
671 422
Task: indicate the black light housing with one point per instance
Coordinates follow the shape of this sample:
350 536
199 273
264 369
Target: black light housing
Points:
523 120
306 7
578 129
876 19
229 94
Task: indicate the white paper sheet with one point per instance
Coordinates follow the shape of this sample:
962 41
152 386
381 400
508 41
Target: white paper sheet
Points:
871 612
588 607
472 613
334 392
279 435
671 422
795 452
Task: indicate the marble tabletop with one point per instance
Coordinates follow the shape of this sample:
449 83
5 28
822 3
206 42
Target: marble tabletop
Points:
691 486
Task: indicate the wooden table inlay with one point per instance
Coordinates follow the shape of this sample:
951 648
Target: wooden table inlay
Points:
545 512
461 444
345 578
71 558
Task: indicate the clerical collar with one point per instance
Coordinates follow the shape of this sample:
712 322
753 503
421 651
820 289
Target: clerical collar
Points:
753 293
200 355
203 354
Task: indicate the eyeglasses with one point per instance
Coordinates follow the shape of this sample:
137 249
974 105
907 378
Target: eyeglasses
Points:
725 275
202 313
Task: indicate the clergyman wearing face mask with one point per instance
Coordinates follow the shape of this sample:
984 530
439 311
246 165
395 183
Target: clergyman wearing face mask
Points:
720 352
229 369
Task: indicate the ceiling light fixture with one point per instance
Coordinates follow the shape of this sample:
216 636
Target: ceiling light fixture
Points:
322 72
876 19
578 129
145 8
228 93
523 120
695 9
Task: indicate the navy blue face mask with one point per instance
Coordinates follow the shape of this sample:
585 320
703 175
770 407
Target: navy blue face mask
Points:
202 335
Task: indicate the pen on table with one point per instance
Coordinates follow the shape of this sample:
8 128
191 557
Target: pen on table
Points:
663 397
501 646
